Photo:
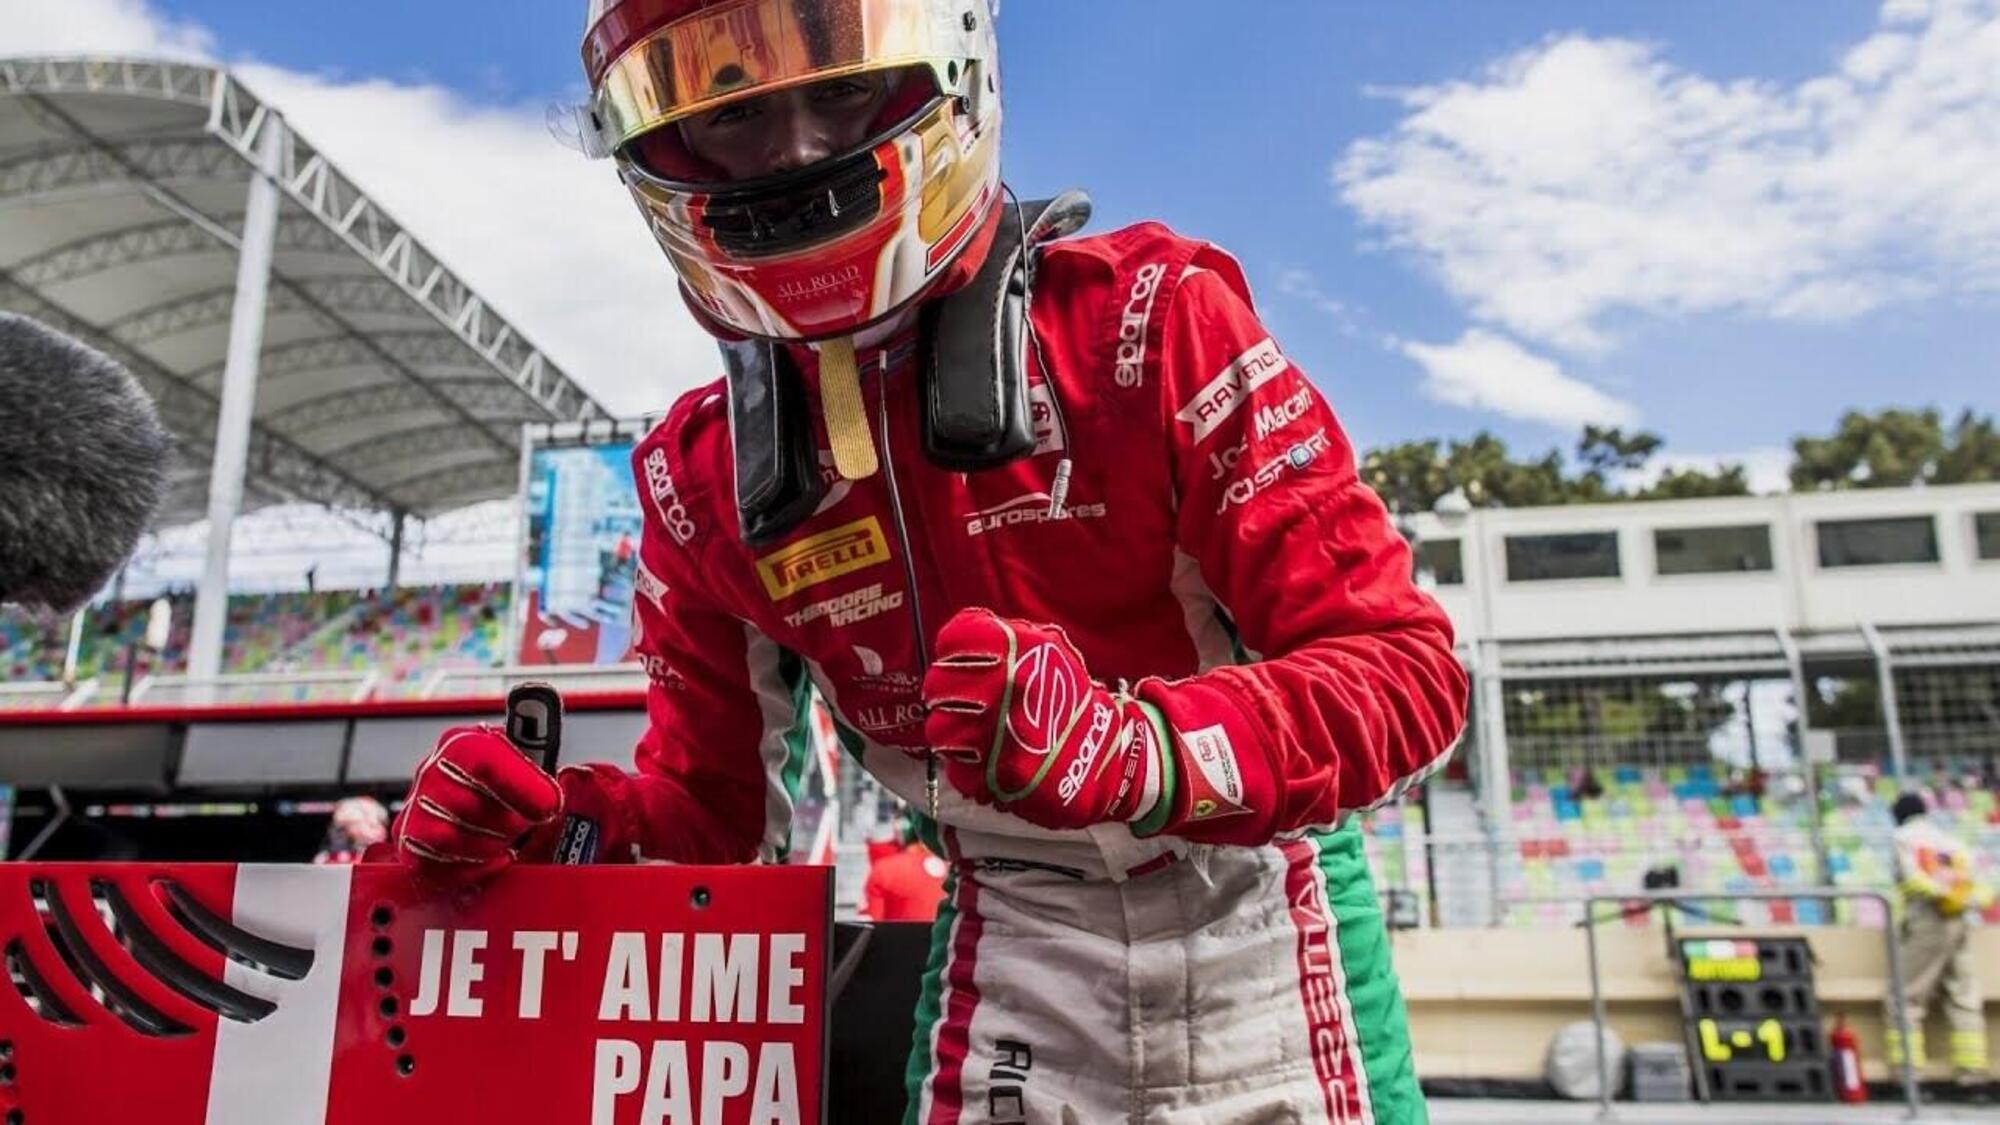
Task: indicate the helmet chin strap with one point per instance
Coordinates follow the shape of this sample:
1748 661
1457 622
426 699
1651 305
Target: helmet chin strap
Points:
974 353
846 415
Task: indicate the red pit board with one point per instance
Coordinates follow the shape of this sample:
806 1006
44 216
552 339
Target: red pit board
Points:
217 994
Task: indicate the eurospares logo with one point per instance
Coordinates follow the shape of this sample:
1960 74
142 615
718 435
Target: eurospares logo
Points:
1031 508
823 557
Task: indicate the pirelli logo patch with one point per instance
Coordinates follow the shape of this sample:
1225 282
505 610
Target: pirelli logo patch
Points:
823 557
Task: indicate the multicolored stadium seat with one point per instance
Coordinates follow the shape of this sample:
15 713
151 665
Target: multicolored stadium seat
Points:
1721 834
408 633
1394 838
403 633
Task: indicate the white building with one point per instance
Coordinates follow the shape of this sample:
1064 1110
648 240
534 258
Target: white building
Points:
1806 563
1775 606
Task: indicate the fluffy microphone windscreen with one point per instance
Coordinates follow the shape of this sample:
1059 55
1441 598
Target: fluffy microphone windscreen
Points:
83 466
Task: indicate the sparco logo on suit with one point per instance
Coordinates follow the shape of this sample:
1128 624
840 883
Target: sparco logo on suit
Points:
1132 325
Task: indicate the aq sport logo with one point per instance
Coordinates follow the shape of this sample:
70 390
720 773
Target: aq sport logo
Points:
1296 459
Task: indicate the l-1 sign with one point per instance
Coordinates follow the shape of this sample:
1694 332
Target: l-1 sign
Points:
199 994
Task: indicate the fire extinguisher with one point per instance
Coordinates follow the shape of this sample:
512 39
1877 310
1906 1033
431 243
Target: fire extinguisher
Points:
1846 1063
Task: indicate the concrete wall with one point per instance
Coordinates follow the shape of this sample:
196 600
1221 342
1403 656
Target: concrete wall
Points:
1485 1003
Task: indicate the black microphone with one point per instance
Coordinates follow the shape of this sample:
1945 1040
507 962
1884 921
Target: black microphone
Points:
83 466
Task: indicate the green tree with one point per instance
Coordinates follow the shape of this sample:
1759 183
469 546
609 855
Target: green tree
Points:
1412 475
1972 451
1409 477
1492 478
1891 448
1694 484
1607 450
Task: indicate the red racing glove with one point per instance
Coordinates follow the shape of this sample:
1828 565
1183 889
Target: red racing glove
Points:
478 804
1020 725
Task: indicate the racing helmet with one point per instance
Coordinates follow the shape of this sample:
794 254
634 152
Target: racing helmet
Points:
828 249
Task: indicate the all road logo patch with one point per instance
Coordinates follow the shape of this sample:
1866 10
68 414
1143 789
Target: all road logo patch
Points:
823 557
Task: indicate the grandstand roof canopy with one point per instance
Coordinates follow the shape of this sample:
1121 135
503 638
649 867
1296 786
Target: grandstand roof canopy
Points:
386 382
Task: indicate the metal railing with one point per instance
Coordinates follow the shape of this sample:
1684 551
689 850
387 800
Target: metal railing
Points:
51 695
1891 946
448 682
258 687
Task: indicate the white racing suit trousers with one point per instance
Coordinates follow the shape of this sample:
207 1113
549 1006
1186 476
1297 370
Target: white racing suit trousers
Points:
1236 986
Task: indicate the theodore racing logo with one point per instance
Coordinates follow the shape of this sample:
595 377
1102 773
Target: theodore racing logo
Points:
849 608
823 557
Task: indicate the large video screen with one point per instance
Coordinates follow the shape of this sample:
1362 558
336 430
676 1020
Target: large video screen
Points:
582 556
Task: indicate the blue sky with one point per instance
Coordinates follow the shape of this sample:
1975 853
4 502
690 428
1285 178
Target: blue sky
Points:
1785 233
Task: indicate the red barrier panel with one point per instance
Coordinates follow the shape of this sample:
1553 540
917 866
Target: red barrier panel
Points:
194 994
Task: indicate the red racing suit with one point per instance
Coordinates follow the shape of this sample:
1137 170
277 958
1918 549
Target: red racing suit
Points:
1217 551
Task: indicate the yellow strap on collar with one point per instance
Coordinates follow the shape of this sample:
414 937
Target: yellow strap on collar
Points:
846 412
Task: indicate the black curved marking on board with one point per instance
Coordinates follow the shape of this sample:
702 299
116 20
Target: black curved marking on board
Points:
155 957
96 976
286 962
34 988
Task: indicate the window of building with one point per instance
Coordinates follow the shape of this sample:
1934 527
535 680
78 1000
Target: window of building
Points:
1986 531
1443 560
1877 542
1548 558
1712 550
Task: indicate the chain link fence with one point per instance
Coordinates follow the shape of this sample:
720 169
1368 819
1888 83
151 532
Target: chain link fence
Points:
1742 763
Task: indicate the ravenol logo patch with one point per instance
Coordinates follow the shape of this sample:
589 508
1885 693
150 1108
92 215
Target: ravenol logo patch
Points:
823 557
1221 396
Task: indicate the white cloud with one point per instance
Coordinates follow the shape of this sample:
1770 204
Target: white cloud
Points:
49 27
1588 177
549 238
1487 371
1302 285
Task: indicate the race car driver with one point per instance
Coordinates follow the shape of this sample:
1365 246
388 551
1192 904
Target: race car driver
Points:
1054 517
